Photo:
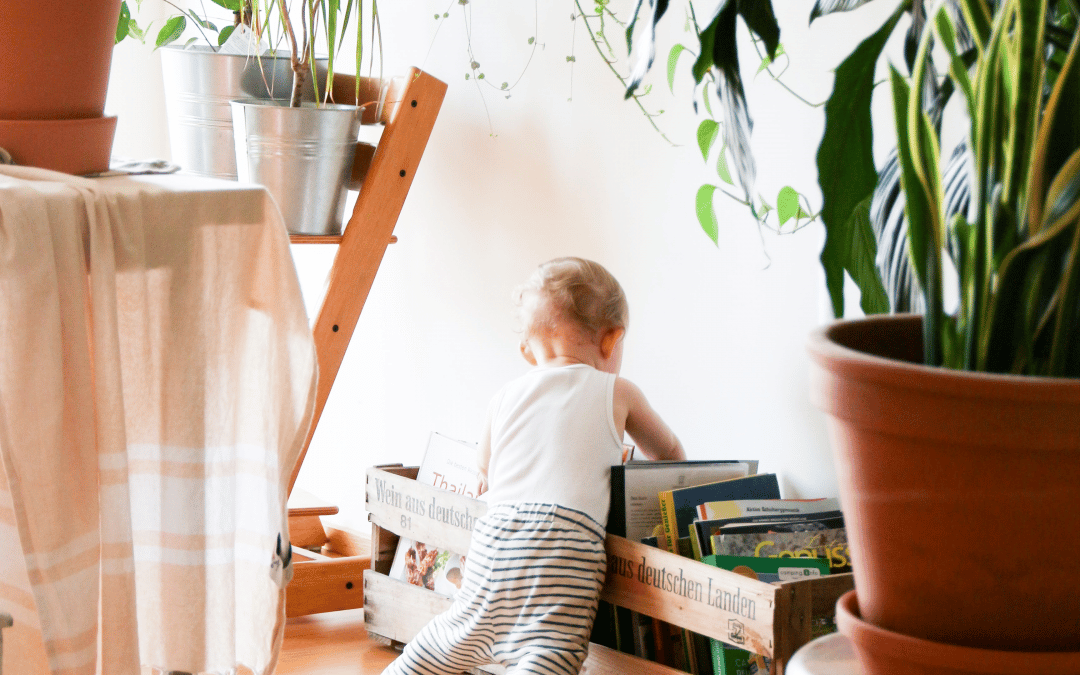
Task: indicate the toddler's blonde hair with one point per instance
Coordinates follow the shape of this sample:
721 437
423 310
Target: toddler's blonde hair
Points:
571 291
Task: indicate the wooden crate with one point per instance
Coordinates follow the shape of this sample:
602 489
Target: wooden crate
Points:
773 620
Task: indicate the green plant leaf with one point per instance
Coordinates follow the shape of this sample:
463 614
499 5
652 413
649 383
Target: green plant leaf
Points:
1058 136
978 19
787 204
123 24
672 61
958 71
925 257
823 7
1027 72
231 5
171 31
644 58
759 17
845 161
856 255
718 50
704 206
722 167
707 132
201 21
223 36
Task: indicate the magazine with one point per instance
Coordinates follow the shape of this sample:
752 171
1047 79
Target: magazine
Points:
450 465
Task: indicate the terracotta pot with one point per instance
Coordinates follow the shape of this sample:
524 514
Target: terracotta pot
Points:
960 490
56 57
883 652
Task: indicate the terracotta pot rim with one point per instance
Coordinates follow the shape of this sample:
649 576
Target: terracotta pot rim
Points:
889 644
835 357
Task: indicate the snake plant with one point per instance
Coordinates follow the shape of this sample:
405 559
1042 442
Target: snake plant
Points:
1004 210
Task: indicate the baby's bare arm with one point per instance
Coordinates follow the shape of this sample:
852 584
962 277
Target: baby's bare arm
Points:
650 433
483 456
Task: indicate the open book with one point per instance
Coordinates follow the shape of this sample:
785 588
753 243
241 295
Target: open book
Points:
450 465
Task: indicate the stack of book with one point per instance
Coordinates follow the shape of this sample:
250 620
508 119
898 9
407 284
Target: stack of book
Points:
722 513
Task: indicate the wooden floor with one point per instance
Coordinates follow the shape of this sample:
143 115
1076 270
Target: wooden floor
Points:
334 643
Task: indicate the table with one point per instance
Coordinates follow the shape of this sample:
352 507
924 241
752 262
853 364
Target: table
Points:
157 380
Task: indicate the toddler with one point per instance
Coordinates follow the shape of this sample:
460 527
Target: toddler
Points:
536 563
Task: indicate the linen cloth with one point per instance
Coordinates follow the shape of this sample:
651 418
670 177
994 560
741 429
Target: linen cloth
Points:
157 375
528 600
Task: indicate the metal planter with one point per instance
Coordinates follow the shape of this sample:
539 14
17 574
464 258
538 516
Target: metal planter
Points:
303 156
199 84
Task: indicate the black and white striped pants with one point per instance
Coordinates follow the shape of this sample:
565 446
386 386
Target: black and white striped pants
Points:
532 583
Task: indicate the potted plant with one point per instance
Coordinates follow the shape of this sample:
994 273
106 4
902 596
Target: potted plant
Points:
52 92
304 152
956 434
206 62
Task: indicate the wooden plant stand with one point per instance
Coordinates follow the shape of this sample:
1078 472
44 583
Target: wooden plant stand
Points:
331 578
772 620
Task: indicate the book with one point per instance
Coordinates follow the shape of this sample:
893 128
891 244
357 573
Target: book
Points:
713 510
678 506
702 530
822 521
450 465
830 545
635 486
732 659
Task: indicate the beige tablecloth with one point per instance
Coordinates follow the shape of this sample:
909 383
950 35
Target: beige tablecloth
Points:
157 377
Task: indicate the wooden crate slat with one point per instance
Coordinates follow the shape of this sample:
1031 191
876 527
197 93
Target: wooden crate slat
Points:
385 603
605 661
421 512
684 592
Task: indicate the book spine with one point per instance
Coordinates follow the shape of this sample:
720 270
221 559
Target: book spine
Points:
667 515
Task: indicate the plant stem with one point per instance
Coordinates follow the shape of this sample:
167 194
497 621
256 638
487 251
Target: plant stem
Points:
611 66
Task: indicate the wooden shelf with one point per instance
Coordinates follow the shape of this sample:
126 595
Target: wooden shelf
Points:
330 578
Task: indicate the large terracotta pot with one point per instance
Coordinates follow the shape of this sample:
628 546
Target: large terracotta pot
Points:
54 59
960 490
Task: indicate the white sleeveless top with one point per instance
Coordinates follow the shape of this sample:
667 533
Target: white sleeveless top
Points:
553 440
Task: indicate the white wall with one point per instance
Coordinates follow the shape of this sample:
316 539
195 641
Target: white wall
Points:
717 336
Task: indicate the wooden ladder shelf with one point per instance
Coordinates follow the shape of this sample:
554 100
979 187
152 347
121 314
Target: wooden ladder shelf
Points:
332 579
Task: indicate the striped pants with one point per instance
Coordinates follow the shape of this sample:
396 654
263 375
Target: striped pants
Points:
532 583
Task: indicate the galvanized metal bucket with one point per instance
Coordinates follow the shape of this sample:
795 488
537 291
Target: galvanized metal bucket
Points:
304 157
200 83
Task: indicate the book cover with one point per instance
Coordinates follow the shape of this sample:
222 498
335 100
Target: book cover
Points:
739 508
702 531
635 505
732 659
829 545
678 506
450 465
804 524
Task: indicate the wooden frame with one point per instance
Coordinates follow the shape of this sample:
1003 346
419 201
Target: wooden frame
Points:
330 579
773 620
